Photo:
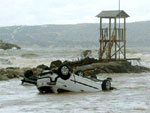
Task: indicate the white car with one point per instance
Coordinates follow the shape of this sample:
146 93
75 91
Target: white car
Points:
63 80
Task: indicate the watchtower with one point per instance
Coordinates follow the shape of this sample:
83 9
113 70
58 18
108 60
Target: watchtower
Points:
112 35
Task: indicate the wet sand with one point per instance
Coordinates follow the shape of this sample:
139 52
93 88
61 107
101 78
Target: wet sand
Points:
132 96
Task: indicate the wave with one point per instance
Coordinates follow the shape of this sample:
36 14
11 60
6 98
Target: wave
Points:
31 57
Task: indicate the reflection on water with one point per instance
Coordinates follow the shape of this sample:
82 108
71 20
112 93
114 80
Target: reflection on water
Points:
132 96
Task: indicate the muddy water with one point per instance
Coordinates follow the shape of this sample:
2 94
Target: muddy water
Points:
132 96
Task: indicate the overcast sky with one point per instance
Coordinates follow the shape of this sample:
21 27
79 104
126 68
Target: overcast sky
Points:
37 12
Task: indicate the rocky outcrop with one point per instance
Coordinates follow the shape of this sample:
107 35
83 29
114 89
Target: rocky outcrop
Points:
6 46
112 67
89 66
81 62
15 72
3 77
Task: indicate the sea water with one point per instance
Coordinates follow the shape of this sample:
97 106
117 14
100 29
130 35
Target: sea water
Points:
27 57
131 96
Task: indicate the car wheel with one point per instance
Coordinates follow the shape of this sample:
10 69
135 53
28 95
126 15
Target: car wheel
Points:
45 90
106 85
64 72
28 73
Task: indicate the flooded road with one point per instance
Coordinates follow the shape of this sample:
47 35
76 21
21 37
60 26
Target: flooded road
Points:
132 96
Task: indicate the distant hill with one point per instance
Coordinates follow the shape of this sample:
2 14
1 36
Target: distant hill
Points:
84 35
138 33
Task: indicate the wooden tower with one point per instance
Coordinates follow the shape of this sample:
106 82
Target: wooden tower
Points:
112 35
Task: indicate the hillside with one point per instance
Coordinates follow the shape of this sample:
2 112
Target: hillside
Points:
71 35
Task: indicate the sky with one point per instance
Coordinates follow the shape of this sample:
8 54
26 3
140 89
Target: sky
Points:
39 12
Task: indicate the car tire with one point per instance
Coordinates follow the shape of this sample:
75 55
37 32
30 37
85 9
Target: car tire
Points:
106 85
28 73
64 72
44 90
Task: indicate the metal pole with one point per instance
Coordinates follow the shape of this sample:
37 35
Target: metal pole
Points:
119 5
119 29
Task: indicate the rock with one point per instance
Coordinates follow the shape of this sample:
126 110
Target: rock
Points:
42 66
12 72
139 69
6 46
3 77
15 72
81 62
55 64
10 76
112 67
107 70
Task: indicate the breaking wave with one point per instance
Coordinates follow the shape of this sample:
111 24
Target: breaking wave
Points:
31 57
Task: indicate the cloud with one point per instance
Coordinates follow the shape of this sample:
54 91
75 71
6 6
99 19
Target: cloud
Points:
34 12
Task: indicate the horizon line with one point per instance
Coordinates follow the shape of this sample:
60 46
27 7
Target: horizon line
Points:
65 24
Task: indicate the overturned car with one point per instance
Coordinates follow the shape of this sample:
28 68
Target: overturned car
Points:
64 80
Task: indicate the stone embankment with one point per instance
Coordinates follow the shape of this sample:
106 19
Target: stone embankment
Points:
89 66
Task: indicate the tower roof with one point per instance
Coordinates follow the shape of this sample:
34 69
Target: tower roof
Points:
113 14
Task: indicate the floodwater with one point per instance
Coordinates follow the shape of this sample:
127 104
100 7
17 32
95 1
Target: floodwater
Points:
132 96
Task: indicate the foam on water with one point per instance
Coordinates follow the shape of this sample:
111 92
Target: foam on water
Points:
143 54
31 57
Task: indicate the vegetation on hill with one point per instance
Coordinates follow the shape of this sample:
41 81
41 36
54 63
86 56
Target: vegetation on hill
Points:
71 35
